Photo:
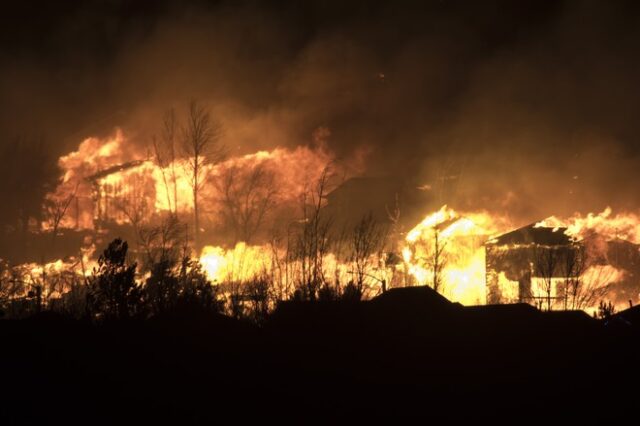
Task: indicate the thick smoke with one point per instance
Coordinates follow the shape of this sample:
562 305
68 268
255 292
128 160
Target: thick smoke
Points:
523 107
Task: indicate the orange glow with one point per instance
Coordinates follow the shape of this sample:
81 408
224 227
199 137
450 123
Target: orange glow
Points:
113 180
624 226
241 263
460 238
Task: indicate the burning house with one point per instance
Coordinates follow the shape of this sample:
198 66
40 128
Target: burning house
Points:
557 268
525 265
254 221
120 192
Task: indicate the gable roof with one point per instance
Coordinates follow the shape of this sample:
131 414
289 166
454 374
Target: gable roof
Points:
418 297
531 234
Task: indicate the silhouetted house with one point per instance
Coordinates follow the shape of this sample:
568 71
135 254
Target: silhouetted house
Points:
628 317
522 264
504 314
536 265
421 307
569 319
413 299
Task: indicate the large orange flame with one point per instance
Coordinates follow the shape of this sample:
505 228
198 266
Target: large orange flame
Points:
111 180
459 239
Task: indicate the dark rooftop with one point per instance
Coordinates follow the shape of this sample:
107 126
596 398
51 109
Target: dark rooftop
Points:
531 234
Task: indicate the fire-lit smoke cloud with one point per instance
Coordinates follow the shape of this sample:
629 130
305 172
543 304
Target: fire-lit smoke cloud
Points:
522 107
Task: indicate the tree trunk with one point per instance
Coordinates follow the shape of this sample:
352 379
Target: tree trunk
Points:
196 220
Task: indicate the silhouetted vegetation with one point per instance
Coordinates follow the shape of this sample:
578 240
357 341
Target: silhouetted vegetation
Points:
113 293
605 310
188 365
114 290
201 145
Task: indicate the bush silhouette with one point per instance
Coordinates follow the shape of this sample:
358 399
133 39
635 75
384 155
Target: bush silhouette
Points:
162 288
113 293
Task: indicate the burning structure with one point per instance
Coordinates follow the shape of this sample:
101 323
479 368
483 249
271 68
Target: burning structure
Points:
277 220
530 264
573 263
561 267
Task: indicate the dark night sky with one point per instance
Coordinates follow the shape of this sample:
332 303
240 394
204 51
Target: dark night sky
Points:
530 104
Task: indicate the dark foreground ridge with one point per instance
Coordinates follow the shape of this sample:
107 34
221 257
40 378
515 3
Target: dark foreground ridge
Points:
408 352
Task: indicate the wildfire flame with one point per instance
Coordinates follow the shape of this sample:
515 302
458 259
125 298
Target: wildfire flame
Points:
241 263
113 180
624 226
448 246
597 231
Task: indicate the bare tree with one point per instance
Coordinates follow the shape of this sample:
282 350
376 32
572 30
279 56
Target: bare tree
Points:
246 197
430 252
313 240
56 209
280 265
161 242
438 259
366 241
586 281
166 156
258 291
396 234
546 263
573 264
201 145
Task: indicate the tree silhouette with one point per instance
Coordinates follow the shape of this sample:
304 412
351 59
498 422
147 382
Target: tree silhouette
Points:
314 239
196 291
546 262
437 260
201 145
586 281
605 310
113 293
165 153
162 288
366 241
246 197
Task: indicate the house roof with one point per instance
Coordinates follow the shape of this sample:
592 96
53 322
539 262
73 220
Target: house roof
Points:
418 297
630 316
114 169
531 234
